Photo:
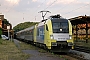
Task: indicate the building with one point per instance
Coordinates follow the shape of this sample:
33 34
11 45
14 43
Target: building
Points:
81 28
1 19
3 26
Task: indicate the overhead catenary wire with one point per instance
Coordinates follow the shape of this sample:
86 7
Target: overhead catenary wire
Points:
46 7
11 7
77 9
71 10
23 12
41 5
50 4
38 8
65 6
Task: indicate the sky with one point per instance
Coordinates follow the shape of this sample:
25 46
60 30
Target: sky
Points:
20 11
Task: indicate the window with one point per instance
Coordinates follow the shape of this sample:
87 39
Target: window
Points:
46 27
60 25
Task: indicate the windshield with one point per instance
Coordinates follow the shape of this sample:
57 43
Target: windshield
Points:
60 27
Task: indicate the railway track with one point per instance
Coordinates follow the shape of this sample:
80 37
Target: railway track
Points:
82 49
76 55
80 55
72 56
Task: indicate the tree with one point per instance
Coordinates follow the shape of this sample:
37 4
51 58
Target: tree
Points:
6 22
24 25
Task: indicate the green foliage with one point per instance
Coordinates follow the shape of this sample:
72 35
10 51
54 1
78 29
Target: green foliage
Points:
24 25
6 22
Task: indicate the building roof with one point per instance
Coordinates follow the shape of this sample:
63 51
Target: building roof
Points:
80 20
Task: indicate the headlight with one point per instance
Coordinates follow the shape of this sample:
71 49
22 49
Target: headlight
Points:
70 36
51 36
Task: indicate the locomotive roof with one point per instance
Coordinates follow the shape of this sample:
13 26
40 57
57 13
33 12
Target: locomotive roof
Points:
80 20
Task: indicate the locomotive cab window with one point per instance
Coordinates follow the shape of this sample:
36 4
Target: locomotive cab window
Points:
46 27
60 26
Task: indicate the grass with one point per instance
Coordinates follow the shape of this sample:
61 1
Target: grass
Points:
42 50
0 41
8 51
25 46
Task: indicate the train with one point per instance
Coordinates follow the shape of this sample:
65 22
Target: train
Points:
53 33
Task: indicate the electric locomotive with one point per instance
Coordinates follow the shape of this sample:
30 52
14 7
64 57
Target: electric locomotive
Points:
54 33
